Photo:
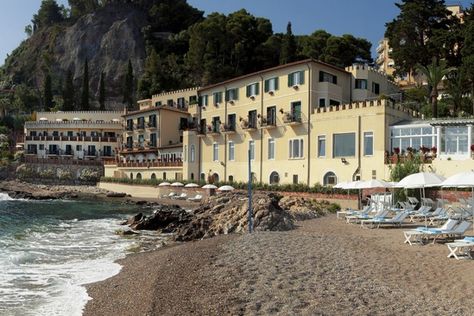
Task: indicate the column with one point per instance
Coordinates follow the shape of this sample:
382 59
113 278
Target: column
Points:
438 139
469 139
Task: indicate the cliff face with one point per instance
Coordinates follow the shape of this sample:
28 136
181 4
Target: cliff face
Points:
107 38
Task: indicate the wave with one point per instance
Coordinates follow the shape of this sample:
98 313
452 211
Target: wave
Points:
6 197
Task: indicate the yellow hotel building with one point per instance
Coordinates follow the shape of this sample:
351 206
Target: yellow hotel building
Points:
302 123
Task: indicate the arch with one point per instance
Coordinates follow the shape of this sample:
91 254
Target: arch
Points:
215 177
203 176
131 175
153 176
330 178
139 176
274 178
192 176
164 175
231 179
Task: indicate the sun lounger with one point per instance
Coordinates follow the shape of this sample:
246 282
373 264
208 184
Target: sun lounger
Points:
197 198
461 248
397 220
416 235
358 218
170 195
422 212
349 211
458 230
413 201
182 196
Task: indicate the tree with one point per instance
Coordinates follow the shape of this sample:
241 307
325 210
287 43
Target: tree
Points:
411 33
48 14
288 47
85 88
128 86
434 74
467 52
47 93
82 7
102 92
68 92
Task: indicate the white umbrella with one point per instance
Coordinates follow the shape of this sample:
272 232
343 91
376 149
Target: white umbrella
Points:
191 185
43 119
340 185
226 188
164 184
372 184
351 185
420 180
209 186
460 180
177 184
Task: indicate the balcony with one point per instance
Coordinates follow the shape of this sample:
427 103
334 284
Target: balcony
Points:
151 125
292 118
268 123
213 129
248 125
148 164
96 139
227 128
112 125
201 131
140 127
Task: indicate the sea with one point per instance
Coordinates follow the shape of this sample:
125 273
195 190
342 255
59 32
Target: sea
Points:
50 249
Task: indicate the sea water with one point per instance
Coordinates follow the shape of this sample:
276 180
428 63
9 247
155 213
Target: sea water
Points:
50 249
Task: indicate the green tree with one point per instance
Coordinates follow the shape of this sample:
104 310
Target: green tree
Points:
402 169
102 91
434 74
82 7
128 88
288 46
48 14
68 93
467 51
85 88
48 93
414 34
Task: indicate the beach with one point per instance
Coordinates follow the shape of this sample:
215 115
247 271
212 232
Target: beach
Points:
323 267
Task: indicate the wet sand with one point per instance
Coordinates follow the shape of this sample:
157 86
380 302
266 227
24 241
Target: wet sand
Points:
323 267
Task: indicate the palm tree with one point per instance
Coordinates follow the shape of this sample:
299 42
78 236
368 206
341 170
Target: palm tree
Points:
434 74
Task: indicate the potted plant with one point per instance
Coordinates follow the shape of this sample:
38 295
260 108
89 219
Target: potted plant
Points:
395 155
434 150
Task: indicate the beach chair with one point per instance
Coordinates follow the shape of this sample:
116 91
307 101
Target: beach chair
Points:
413 201
196 198
415 235
349 211
422 212
357 218
170 195
397 220
182 196
441 216
461 248
458 230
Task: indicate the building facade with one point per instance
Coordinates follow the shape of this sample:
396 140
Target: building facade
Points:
75 135
152 141
284 118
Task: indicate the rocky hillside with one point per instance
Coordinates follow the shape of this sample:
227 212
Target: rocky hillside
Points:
107 38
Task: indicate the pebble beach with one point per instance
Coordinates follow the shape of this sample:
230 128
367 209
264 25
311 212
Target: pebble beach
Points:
324 266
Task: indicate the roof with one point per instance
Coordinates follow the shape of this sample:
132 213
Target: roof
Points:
156 108
438 122
261 72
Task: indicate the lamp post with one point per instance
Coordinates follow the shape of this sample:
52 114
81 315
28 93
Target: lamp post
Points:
250 215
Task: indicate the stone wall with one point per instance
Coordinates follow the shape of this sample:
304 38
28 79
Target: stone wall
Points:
59 173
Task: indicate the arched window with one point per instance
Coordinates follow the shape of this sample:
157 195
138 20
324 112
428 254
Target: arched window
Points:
203 176
330 178
131 175
231 179
164 175
192 176
215 178
274 178
139 176
153 176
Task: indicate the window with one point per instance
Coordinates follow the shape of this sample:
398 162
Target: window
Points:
252 149
78 148
274 178
203 100
252 117
296 78
164 175
271 148
322 146
91 150
157 103
153 140
296 111
231 179
141 123
69 134
327 77
215 152
271 84
181 103
253 89
232 94
295 179
170 102
139 176
216 122
192 153
107 151
334 102
271 115
217 97
343 145
153 176
330 179
231 121
203 176
33 133
141 140
129 142
231 151
152 120
41 147
375 88
192 99
361 84
322 103
192 176
414 137
296 148
368 143
454 140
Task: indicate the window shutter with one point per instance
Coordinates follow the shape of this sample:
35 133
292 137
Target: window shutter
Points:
276 83
290 80
236 94
248 91
291 147
267 85
301 77
334 79
321 76
257 88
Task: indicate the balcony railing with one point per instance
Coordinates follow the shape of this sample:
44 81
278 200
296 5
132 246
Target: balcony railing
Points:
74 125
248 124
227 128
269 122
292 117
72 139
155 164
151 125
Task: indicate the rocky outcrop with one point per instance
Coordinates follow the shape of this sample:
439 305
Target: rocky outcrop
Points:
304 209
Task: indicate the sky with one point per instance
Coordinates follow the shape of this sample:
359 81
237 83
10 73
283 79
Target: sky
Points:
361 18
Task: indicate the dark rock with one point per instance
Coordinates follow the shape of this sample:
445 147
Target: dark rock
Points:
116 194
133 219
141 202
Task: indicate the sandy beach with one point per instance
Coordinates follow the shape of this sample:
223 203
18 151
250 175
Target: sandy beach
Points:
323 267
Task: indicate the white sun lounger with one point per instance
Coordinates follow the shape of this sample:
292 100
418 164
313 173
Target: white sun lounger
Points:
197 198
416 235
343 214
358 218
182 196
397 220
461 248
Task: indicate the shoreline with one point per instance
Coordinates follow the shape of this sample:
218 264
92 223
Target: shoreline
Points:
324 266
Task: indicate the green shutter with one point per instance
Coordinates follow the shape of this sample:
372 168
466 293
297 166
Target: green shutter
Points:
301 77
267 85
257 88
227 95
290 80
236 94
276 83
248 91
